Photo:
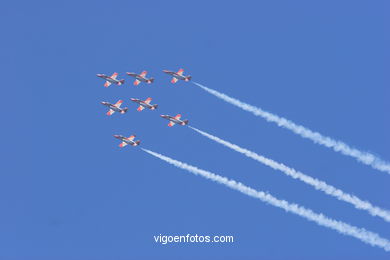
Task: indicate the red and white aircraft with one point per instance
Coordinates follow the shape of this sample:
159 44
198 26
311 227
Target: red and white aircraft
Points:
144 104
175 120
115 107
112 79
177 75
127 140
140 77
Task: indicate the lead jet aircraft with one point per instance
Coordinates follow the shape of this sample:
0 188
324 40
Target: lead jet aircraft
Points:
127 140
115 107
175 120
177 75
112 79
144 104
140 77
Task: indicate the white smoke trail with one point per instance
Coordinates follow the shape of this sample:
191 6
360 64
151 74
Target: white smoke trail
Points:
317 184
344 228
363 157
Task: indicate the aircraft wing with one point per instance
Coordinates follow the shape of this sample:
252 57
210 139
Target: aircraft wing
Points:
136 82
147 101
118 104
178 116
107 84
171 124
123 144
180 72
131 138
110 112
143 73
174 80
114 75
140 108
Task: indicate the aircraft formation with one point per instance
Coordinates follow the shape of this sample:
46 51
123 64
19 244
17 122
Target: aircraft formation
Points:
139 78
342 227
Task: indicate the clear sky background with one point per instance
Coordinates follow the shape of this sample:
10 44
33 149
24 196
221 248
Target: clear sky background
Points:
67 191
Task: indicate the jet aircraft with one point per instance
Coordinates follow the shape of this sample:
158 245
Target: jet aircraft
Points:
127 140
175 120
144 104
115 107
140 77
112 79
177 75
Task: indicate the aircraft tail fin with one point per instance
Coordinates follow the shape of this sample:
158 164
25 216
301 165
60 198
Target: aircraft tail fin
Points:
154 106
151 80
124 110
185 122
188 78
136 143
121 82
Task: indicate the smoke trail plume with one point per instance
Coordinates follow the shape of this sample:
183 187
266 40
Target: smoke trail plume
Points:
317 184
363 157
344 228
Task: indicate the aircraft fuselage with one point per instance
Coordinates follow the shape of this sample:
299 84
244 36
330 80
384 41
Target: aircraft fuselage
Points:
111 106
142 103
109 79
174 120
139 77
123 139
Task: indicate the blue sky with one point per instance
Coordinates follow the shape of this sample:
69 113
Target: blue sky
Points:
67 191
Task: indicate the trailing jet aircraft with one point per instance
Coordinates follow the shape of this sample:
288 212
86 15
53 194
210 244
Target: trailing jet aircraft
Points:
112 79
127 140
175 120
177 75
115 107
144 104
140 77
